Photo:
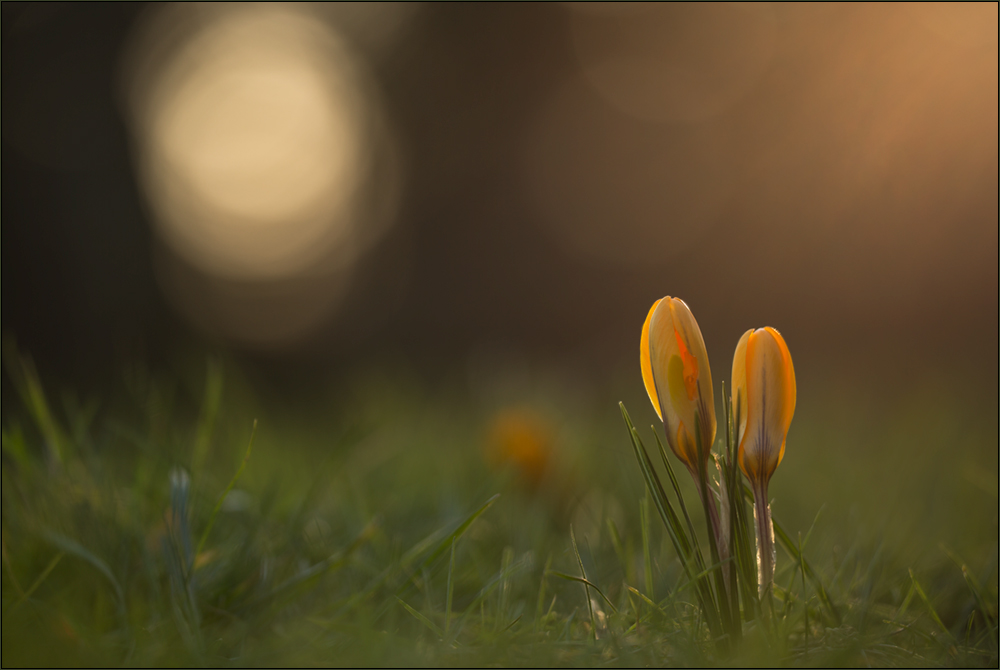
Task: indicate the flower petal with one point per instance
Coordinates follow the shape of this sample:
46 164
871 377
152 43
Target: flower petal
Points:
668 374
647 370
790 388
768 398
682 379
697 373
739 387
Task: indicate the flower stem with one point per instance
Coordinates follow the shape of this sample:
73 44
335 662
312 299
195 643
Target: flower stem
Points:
765 542
718 531
720 552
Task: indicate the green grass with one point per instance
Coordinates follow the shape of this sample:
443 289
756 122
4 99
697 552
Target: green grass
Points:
367 528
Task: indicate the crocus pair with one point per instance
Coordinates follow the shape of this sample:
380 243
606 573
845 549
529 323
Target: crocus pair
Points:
678 380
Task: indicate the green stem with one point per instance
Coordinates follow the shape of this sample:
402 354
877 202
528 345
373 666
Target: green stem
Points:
712 520
721 548
765 541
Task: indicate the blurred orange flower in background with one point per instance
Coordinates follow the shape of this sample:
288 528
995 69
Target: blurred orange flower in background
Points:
522 440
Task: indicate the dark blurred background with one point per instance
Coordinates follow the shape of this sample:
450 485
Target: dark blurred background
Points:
493 177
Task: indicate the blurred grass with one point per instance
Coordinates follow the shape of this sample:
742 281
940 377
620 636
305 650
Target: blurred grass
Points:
365 530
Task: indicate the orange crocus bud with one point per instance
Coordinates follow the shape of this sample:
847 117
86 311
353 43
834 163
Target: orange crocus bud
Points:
763 401
678 380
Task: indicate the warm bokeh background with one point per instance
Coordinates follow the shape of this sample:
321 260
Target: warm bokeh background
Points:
524 179
415 245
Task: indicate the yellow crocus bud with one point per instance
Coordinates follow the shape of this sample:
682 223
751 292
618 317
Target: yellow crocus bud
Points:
763 401
678 380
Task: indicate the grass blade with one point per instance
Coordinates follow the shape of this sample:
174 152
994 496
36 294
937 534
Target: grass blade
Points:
421 618
38 582
440 540
721 600
498 579
206 420
541 593
451 591
647 561
706 572
977 594
442 544
22 372
330 564
689 558
798 557
930 607
586 582
75 549
583 578
741 571
677 490
646 600
658 495
232 483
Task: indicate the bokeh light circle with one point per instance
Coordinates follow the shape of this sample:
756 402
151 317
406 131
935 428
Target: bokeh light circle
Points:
265 158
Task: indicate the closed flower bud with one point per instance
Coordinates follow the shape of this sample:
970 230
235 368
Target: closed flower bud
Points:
763 401
678 380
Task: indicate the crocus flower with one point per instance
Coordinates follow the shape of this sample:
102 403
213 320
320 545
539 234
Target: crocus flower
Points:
763 400
679 383
763 404
678 380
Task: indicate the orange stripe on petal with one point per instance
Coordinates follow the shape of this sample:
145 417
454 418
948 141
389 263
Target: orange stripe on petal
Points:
697 372
690 369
